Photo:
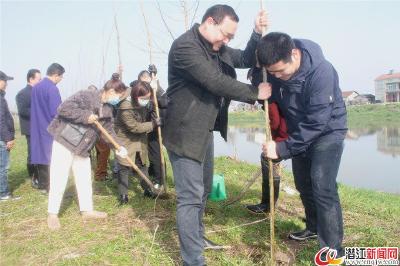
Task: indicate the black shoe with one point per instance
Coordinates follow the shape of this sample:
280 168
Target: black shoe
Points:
123 199
149 194
303 235
258 208
208 244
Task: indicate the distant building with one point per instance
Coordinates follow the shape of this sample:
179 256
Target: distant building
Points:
363 99
354 98
349 96
387 87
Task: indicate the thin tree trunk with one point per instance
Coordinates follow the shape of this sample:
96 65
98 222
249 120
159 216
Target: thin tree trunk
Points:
270 166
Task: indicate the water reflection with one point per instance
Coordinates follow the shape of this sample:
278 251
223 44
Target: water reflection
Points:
370 159
388 138
389 141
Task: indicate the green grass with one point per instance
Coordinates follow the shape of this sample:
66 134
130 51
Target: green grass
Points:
361 116
374 115
126 237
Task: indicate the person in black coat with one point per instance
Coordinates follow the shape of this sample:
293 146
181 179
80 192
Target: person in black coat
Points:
202 81
23 100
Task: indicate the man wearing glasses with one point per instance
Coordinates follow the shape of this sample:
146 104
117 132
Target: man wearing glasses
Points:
202 82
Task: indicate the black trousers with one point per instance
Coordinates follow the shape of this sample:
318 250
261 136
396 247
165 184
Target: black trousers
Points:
126 171
155 158
315 173
30 167
42 171
265 179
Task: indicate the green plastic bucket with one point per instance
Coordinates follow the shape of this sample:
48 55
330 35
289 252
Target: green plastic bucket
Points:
218 192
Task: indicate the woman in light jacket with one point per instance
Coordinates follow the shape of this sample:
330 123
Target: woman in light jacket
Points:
132 126
74 136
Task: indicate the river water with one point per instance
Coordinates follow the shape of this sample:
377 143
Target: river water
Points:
371 157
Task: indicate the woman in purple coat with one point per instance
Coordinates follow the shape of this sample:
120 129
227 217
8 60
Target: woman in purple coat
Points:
74 136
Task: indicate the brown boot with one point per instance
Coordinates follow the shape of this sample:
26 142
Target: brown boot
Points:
53 222
94 215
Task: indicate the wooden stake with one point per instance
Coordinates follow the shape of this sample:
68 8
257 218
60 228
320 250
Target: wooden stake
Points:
270 166
118 46
163 174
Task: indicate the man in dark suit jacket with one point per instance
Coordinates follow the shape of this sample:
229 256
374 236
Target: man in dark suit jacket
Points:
23 100
202 81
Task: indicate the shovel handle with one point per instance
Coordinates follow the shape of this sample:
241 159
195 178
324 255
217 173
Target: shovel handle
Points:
117 147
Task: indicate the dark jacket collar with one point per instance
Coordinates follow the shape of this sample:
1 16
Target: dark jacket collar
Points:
2 93
207 46
203 40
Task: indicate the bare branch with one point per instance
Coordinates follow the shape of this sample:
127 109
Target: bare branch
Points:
164 22
195 11
159 47
147 32
118 46
139 47
185 13
105 53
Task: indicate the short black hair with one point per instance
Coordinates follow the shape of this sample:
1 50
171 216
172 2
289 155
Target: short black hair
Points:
219 12
142 73
31 74
275 47
55 69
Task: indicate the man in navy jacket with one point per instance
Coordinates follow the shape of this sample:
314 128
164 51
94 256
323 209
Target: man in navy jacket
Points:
23 100
306 87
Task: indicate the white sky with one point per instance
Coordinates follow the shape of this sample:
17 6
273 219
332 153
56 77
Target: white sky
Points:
360 38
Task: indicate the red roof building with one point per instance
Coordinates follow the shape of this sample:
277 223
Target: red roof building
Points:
387 87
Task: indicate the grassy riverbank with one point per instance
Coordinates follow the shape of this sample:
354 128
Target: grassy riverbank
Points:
372 115
144 233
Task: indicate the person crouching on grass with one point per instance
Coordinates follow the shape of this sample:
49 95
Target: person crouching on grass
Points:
132 127
74 136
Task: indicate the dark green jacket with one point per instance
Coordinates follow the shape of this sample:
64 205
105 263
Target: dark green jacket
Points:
131 127
198 79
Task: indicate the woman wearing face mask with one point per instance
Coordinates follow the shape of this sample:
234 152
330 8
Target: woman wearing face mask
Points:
132 127
155 168
74 136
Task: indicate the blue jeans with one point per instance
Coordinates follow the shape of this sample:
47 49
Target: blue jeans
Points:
315 173
193 182
4 165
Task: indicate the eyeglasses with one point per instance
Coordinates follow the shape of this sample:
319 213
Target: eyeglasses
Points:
226 35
